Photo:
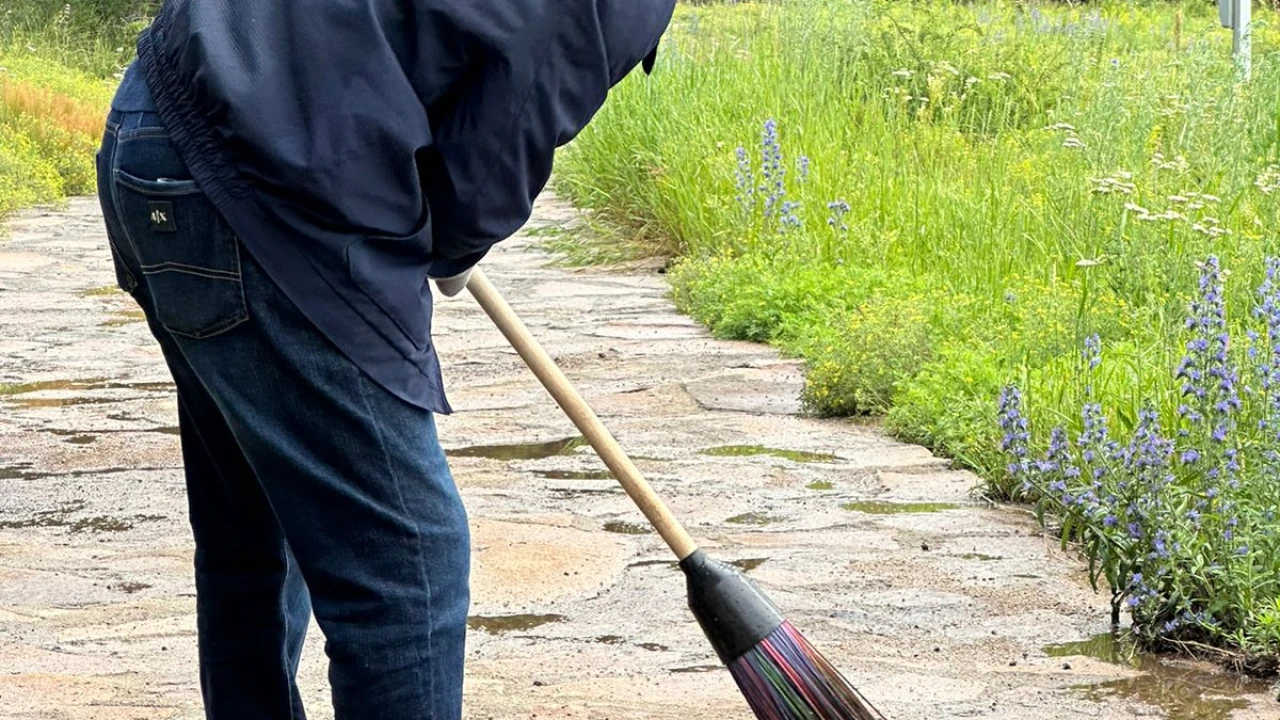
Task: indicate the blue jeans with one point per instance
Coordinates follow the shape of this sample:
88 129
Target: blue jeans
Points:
311 489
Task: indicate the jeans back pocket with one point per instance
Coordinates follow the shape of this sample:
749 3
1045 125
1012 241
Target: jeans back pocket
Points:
188 255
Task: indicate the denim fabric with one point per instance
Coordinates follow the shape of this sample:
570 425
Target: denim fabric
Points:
311 487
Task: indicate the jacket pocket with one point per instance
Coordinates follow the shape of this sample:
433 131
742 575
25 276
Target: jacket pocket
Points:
392 272
188 255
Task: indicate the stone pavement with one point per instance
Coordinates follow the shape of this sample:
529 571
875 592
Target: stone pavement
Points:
935 605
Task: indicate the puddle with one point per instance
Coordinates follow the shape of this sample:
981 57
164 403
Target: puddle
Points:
748 450
522 451
57 517
61 517
74 436
124 317
86 384
745 565
23 471
498 624
16 394
130 587
980 556
65 401
574 474
101 291
821 485
101 523
32 522
880 507
1182 692
130 418
752 518
653 563
627 528
20 471
163 386
619 640
563 493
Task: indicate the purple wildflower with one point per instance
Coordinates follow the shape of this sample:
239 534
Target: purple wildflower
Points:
1268 368
1093 351
838 208
1013 423
772 170
788 217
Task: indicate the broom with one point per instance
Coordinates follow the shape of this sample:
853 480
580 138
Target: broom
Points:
780 674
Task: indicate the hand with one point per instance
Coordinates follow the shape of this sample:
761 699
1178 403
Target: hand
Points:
451 286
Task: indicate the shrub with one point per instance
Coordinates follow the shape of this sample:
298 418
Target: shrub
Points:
1178 519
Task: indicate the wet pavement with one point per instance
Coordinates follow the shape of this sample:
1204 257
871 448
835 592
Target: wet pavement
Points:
934 604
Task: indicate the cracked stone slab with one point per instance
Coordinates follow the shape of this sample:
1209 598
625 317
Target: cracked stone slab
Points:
578 612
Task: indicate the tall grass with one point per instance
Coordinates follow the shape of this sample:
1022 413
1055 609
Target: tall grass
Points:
931 201
59 65
93 36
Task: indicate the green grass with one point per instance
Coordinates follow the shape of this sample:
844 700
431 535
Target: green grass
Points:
988 185
58 71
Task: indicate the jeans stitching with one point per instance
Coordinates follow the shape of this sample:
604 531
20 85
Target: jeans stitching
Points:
115 202
181 187
417 533
244 302
210 273
142 133
241 316
242 313
284 607
130 281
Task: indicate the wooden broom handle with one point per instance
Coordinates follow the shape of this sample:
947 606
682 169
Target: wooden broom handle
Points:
676 537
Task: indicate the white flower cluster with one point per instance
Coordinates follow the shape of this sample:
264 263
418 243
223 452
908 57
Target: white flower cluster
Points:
1178 164
1268 181
1119 183
1071 140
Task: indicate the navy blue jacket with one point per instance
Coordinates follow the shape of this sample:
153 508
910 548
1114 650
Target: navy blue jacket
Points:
358 146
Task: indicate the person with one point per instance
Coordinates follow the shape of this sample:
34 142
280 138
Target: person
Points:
279 180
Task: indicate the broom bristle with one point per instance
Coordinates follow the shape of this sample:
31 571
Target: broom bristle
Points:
785 678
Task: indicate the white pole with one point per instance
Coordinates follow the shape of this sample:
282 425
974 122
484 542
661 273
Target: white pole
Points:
1237 14
1242 37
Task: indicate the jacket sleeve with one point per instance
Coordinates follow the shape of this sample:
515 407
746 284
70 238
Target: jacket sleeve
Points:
541 71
